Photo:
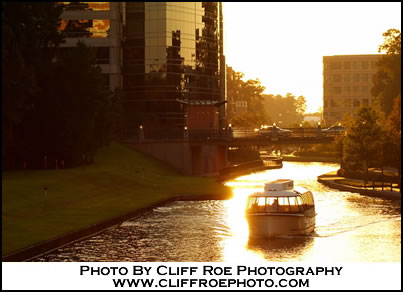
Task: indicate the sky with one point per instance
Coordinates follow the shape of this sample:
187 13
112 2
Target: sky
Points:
283 43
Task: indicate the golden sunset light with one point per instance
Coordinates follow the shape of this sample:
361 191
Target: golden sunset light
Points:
201 145
282 44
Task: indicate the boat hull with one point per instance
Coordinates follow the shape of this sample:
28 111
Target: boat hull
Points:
268 225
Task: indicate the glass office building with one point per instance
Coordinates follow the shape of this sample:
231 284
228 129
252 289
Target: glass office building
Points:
98 25
171 52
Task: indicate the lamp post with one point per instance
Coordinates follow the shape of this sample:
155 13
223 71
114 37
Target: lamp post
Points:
318 131
141 133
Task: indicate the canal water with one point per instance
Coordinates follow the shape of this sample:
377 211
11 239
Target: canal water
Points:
349 228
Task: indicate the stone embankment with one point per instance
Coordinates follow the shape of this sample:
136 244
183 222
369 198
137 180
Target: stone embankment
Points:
249 167
333 180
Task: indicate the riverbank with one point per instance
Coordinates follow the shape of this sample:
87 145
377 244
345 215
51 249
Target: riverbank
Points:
310 158
333 180
241 169
121 181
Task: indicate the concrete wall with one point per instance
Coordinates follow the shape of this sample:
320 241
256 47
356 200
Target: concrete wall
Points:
189 159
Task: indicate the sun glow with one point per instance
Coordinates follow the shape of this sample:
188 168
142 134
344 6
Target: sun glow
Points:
283 44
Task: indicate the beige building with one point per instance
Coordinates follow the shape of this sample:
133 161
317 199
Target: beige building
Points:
98 25
347 83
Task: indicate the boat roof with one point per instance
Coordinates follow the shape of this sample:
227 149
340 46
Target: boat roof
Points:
285 193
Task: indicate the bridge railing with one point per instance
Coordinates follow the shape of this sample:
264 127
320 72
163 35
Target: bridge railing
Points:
222 134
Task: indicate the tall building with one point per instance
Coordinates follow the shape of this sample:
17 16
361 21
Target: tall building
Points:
98 25
162 55
347 83
172 55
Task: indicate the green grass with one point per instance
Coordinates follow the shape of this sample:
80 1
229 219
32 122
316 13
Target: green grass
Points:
82 196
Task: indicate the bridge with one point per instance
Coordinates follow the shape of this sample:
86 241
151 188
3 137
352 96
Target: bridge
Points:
233 137
200 152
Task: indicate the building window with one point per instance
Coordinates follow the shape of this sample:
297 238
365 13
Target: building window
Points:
85 28
347 65
356 103
365 102
365 90
335 65
102 55
356 65
364 65
356 77
347 78
334 103
347 90
364 77
335 90
337 78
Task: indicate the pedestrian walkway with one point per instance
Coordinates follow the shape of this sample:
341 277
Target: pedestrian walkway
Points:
331 179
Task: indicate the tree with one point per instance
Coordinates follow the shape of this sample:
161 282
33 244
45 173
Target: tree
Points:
301 105
285 110
249 91
250 120
363 141
72 119
387 80
29 38
393 144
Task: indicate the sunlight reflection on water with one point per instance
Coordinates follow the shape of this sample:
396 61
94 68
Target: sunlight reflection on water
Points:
349 227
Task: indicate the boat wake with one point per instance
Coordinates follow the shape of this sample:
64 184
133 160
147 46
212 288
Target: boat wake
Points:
332 232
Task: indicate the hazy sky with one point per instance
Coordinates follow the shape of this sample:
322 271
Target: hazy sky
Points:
283 43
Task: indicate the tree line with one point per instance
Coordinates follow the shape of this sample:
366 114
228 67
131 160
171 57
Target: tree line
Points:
262 109
56 109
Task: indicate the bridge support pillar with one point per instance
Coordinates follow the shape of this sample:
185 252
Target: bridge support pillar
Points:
199 159
208 159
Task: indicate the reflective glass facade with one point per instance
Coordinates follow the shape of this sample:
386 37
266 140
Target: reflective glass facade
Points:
79 28
85 6
171 50
98 25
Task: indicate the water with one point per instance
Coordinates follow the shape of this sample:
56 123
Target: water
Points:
349 228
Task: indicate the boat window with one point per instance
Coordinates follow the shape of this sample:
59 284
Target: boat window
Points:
307 200
261 203
251 202
283 205
299 200
280 204
256 204
271 204
294 205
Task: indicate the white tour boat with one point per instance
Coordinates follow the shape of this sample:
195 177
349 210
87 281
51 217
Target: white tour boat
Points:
281 209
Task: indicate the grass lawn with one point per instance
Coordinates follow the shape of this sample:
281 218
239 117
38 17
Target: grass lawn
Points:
120 180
